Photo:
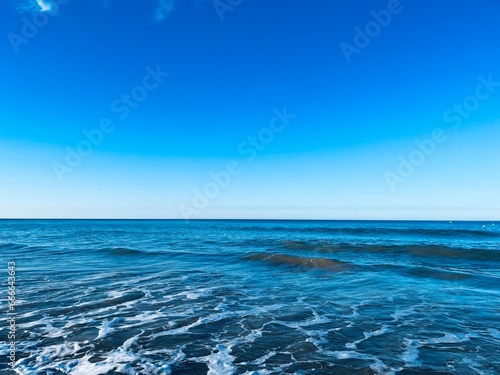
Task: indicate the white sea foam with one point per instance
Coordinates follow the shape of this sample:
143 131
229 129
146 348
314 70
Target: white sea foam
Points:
208 319
316 337
95 312
107 328
448 338
145 317
147 293
118 360
383 330
182 313
129 342
473 365
398 314
58 351
249 338
69 326
348 354
263 359
355 312
61 357
48 330
378 366
83 366
117 294
197 293
192 295
411 353
259 310
220 362
317 319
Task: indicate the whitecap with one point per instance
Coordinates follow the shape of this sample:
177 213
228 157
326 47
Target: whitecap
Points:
107 328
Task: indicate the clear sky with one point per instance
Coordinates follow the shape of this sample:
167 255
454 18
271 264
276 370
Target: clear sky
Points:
250 109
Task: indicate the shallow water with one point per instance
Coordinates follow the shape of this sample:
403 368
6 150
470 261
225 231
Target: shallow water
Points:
253 297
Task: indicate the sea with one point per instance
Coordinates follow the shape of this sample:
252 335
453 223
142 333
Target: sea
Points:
223 297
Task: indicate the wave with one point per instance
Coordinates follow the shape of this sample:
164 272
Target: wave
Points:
414 249
12 246
433 273
23 248
435 232
375 231
333 265
424 272
123 251
282 259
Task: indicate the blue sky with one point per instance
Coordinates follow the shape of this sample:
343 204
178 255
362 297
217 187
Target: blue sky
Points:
362 84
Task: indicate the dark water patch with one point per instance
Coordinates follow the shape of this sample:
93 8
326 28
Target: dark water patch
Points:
83 332
211 242
280 337
450 252
422 272
423 371
307 356
190 368
123 251
128 297
319 246
424 232
295 261
451 232
123 276
437 274
12 246
299 245
101 300
415 250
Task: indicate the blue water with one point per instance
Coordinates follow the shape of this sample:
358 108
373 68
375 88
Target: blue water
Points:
253 297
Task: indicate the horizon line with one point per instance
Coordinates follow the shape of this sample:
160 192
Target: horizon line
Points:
252 219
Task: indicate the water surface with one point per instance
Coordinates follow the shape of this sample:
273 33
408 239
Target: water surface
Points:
253 297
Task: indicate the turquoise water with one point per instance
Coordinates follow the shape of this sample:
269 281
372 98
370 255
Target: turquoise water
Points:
252 297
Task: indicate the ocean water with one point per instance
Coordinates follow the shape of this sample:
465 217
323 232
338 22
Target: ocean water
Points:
252 297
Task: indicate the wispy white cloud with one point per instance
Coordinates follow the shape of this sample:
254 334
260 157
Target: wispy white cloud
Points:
44 5
163 9
35 6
